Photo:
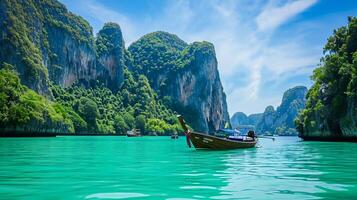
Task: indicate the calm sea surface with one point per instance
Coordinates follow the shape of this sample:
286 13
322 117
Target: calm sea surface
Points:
161 168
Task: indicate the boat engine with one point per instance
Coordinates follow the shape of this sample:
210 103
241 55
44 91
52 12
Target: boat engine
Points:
251 134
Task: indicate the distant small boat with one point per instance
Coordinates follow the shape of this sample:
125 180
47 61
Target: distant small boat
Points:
205 141
133 133
174 136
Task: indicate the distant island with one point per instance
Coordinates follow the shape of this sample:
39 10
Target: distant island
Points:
57 77
279 121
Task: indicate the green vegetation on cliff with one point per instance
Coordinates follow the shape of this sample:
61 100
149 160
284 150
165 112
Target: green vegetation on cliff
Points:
106 112
108 39
97 85
185 77
25 37
165 53
331 101
83 110
23 109
43 36
156 52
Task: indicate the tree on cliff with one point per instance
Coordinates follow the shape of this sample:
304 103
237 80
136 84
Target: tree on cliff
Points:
91 80
23 109
331 101
140 123
88 109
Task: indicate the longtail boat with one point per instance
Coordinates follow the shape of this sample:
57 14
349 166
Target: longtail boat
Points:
206 141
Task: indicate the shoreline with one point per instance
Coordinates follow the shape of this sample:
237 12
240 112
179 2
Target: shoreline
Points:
16 134
329 139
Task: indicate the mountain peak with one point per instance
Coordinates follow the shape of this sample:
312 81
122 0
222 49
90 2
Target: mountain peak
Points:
165 38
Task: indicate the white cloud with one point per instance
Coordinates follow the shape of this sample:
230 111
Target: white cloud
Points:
273 16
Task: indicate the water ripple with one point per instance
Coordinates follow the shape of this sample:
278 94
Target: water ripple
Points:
115 195
161 168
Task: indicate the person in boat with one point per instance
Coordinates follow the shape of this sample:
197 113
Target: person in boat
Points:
251 135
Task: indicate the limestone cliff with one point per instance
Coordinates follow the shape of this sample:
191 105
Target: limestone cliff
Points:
186 76
293 101
45 42
198 88
54 50
266 123
111 54
281 121
240 118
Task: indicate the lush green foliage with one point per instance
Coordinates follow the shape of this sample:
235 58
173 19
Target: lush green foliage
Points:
140 122
106 112
83 110
156 52
27 45
161 127
25 36
333 94
54 13
18 37
165 52
23 109
188 55
108 39
161 56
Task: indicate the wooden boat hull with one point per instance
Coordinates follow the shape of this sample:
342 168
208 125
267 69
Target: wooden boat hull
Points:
204 141
129 135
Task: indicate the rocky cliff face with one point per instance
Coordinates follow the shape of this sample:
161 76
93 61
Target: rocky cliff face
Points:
21 46
266 123
254 118
281 121
293 101
188 77
111 53
240 118
198 87
70 61
45 42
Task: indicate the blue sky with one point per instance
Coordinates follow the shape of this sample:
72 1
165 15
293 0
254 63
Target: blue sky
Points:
263 47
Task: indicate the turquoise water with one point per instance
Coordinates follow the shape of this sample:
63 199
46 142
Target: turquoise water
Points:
161 168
